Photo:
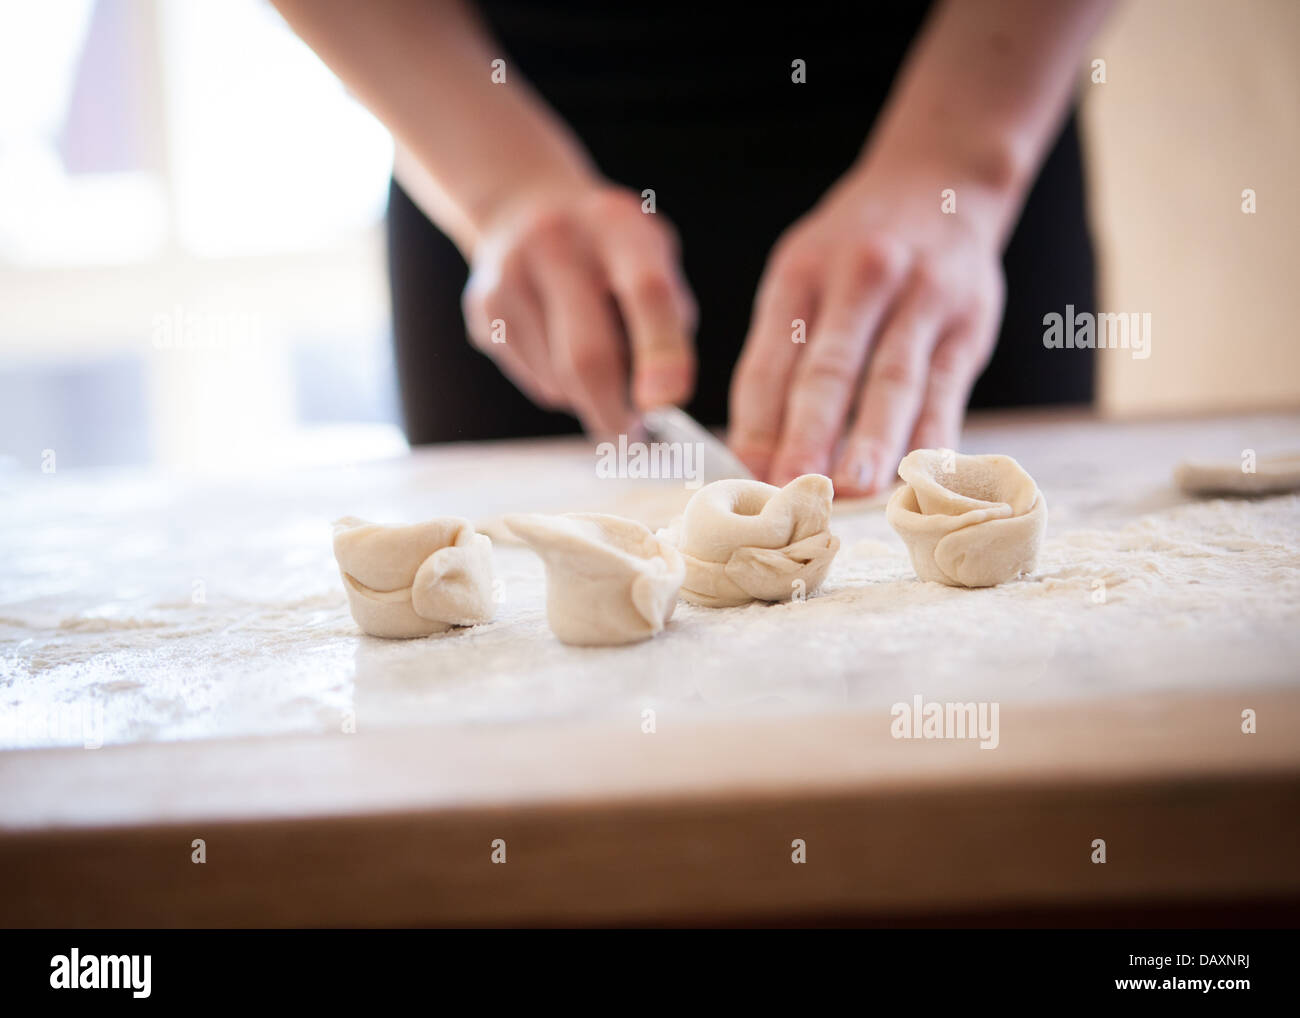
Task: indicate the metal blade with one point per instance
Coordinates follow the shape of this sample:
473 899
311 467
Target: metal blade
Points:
672 424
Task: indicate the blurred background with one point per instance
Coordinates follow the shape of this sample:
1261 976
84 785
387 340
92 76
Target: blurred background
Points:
191 247
191 257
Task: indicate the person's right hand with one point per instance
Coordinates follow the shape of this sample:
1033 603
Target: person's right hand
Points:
567 286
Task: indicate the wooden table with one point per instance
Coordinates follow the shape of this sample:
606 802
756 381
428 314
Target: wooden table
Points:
334 779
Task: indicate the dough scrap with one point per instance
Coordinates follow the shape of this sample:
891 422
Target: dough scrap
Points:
977 526
608 580
1273 475
745 540
416 580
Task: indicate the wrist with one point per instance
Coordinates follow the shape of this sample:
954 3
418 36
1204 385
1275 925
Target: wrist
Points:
988 176
524 185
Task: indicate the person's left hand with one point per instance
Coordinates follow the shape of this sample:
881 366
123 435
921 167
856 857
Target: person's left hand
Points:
901 303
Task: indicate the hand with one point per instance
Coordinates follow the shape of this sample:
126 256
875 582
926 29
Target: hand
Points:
901 303
582 281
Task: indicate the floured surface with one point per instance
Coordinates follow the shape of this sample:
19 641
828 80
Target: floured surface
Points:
169 609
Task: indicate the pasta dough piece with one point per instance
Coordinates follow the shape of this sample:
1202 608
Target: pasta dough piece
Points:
653 505
745 540
977 524
408 581
608 580
1273 475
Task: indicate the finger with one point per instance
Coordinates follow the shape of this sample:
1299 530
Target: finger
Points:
892 391
827 374
954 368
583 337
641 265
504 320
766 365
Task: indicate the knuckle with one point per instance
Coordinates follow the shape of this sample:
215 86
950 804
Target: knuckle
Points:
995 289
821 372
651 287
513 266
480 337
587 358
551 228
799 272
473 307
985 302
896 368
798 450
754 439
472 298
486 300
689 310
664 227
986 305
873 262
928 277
795 267
756 373
949 362
613 202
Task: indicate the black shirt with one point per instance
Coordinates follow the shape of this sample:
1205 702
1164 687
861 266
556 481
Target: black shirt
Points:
698 103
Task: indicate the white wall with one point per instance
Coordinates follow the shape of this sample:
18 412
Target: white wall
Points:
1202 101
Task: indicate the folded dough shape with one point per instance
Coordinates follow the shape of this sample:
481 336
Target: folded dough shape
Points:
746 540
416 580
608 580
977 526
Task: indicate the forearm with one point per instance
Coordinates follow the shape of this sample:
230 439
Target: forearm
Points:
467 145
981 97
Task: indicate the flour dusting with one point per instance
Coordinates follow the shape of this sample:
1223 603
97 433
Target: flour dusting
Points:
188 612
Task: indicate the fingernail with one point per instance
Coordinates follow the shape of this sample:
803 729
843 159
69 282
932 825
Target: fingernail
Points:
867 470
660 385
650 395
855 472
